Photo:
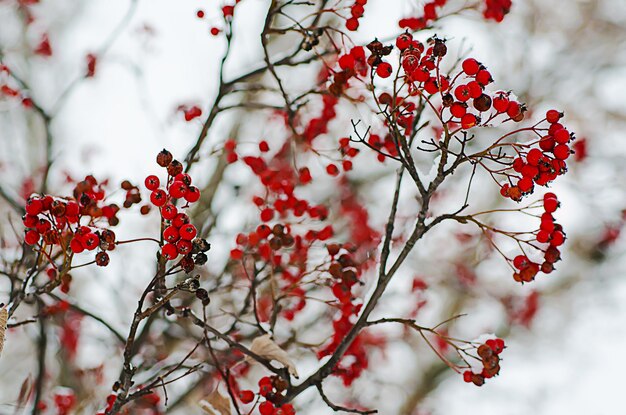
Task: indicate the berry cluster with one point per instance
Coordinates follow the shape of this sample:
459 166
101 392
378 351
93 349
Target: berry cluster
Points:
356 12
541 165
497 9
352 64
550 233
272 388
178 234
489 354
54 222
430 14
345 272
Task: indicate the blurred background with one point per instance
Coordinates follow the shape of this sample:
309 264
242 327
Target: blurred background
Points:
565 332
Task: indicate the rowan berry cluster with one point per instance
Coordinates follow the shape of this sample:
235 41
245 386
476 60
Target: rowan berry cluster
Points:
345 272
72 224
430 14
489 354
179 236
273 389
550 233
541 165
497 9
352 64
356 12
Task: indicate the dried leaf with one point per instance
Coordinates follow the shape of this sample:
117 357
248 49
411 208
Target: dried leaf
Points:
265 347
4 316
25 392
216 404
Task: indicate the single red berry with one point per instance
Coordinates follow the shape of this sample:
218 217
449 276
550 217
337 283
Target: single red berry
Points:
553 116
404 41
177 189
76 246
180 220
169 211
183 247
462 93
475 90
332 170
200 14
468 121
561 152
91 241
471 66
246 396
31 237
158 197
557 238
264 147
188 232
352 24
266 408
458 109
467 376
550 204
236 254
169 251
483 77
533 156
543 236
384 70
561 136
152 182
192 195
501 103
521 262
170 234
267 214
513 109
34 206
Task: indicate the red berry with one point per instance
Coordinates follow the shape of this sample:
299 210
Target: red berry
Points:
471 67
169 211
180 220
192 195
553 116
91 241
31 237
266 408
267 214
188 232
152 182
462 93
264 147
76 246
177 189
404 41
467 376
561 152
543 236
521 262
533 156
170 234
332 170
34 206
169 251
483 77
557 238
352 24
236 254
183 247
561 136
458 109
501 103
158 197
468 121
550 204
246 396
514 109
384 70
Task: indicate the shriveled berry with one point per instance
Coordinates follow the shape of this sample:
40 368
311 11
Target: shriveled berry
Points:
164 158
